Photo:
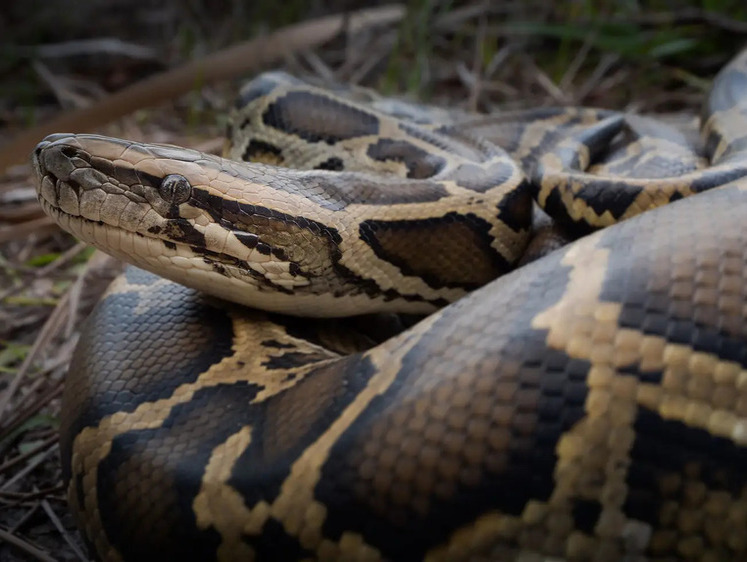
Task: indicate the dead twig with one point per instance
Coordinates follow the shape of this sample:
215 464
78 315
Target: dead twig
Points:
30 512
570 74
606 62
21 474
25 546
545 82
61 87
17 498
61 529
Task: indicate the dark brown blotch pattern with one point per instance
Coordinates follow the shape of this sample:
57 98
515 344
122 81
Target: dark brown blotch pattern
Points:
420 163
318 118
449 251
260 151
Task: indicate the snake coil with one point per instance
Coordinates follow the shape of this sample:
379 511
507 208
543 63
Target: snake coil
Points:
590 405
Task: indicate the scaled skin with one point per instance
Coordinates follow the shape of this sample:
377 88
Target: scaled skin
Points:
588 406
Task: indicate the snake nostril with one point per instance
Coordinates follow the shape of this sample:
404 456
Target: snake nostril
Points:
69 151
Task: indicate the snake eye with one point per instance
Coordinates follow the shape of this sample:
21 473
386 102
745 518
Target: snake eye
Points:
175 189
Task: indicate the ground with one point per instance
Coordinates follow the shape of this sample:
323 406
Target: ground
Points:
479 56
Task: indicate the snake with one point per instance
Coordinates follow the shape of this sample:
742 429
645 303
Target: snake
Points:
331 345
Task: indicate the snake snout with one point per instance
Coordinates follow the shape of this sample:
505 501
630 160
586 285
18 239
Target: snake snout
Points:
63 171
38 155
58 155
36 164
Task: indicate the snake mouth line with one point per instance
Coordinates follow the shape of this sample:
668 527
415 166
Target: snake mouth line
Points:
175 259
100 233
128 220
48 194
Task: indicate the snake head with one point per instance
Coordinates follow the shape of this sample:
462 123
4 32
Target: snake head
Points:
195 218
110 180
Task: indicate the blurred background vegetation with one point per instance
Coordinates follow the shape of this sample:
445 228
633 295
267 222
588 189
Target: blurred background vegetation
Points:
657 55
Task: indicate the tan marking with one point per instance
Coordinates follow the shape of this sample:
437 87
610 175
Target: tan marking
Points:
687 386
301 515
217 503
655 192
93 444
296 507
593 455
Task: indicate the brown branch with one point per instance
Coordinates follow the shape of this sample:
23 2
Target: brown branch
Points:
233 61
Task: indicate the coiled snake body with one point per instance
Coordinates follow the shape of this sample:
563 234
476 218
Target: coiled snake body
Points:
589 405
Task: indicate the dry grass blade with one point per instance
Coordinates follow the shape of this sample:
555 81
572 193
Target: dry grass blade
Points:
51 328
477 70
691 15
545 82
570 74
103 45
15 420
